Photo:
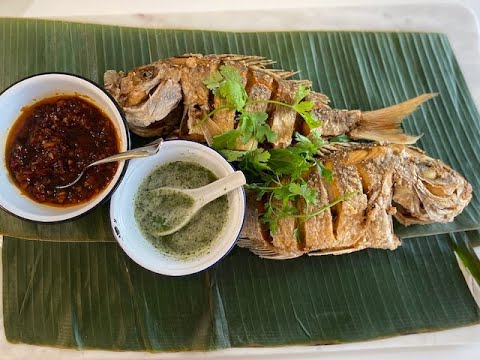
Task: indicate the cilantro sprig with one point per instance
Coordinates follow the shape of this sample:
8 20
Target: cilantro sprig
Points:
276 175
250 125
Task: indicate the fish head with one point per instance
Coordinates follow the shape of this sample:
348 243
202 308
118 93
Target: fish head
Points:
427 190
134 86
147 94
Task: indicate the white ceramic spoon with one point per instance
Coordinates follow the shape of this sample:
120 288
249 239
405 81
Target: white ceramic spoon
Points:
175 219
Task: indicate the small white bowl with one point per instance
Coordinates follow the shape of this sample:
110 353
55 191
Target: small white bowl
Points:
125 226
28 91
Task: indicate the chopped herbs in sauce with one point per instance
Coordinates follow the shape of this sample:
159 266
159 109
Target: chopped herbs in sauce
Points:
197 237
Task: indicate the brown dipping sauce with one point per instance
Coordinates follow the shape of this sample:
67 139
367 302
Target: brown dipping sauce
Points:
50 144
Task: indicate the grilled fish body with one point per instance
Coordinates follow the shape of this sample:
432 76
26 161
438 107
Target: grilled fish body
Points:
169 98
389 180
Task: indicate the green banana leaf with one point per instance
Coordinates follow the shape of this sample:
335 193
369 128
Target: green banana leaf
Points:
470 267
91 295
357 70
78 289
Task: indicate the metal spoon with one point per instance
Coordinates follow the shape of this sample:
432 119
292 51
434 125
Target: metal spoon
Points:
148 150
199 198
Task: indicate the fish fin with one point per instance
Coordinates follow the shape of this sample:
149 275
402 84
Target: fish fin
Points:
283 74
264 250
335 252
188 55
260 63
248 60
278 73
384 124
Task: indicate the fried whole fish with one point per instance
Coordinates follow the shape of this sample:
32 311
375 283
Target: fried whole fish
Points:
169 98
389 180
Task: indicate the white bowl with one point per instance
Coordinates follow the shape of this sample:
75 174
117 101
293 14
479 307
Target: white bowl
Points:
130 237
28 91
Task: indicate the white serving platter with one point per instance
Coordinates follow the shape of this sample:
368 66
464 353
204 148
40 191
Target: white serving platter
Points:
458 21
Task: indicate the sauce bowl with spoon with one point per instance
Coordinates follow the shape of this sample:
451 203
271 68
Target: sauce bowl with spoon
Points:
137 244
190 201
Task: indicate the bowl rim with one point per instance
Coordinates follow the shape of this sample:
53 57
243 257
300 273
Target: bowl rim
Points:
128 146
137 260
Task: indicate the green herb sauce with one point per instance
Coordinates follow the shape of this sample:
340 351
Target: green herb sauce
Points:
151 211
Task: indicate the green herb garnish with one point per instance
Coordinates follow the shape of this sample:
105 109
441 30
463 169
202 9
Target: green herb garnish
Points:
227 83
251 125
276 175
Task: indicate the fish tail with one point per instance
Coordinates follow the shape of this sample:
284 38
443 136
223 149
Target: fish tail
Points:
385 124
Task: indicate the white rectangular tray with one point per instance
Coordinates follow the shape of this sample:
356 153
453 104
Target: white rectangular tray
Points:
455 20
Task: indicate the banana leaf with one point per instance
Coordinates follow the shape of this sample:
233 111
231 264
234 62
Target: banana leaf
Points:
78 289
470 267
357 70
91 295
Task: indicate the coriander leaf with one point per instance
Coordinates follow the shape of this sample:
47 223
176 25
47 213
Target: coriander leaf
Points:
246 126
234 93
226 140
258 117
304 106
232 155
317 139
213 80
288 161
230 73
340 138
232 87
288 210
265 132
301 138
256 161
327 174
254 124
270 218
311 119
302 92
309 145
282 193
305 143
260 158
305 191
262 129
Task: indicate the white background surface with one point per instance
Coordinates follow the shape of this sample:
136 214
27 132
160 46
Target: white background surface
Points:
458 22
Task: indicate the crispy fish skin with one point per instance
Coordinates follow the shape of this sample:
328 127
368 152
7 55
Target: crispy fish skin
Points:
389 180
149 95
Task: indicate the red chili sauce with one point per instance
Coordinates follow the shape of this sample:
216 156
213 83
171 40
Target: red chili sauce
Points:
50 144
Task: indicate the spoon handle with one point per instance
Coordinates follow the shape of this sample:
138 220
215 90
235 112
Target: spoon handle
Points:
150 149
220 187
